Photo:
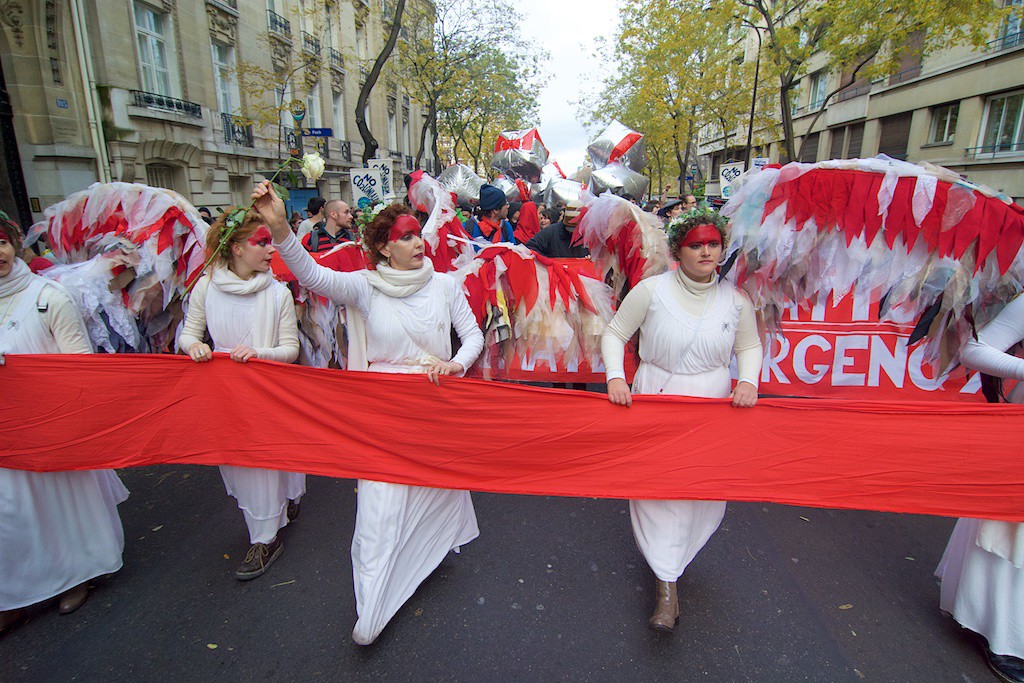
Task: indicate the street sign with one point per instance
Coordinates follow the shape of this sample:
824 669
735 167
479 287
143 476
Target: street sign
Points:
386 168
318 132
298 110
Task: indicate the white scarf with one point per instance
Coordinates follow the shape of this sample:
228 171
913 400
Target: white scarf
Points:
17 280
399 283
264 329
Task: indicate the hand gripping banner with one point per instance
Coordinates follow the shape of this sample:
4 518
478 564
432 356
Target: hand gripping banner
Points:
113 411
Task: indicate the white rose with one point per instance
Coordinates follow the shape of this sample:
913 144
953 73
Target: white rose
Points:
312 166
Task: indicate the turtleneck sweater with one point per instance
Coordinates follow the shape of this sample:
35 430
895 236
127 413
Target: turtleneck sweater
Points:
692 297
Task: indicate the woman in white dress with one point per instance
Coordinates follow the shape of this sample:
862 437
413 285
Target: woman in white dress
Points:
982 570
402 532
58 530
690 327
248 315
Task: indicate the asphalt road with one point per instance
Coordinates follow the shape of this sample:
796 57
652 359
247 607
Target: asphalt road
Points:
553 590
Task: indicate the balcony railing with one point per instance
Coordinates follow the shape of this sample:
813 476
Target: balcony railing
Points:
905 75
152 100
396 154
337 61
408 162
850 93
346 150
1010 40
279 24
237 131
992 151
310 44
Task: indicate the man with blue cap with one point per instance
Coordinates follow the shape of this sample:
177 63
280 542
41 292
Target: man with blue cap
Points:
489 225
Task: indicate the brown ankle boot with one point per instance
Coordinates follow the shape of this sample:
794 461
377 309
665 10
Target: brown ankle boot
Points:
72 599
666 612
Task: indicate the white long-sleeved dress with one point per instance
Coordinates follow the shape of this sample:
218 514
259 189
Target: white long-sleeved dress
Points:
402 533
57 529
262 494
982 568
689 332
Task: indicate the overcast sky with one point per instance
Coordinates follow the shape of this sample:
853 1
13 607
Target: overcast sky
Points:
567 29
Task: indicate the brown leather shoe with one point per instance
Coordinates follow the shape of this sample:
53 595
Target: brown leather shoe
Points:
293 510
258 559
10 618
666 612
74 598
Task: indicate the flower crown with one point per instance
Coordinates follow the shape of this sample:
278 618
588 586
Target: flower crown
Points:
680 225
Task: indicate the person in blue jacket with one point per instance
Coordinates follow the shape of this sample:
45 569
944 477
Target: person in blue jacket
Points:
490 224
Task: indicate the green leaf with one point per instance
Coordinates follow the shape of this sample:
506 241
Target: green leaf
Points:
281 192
292 178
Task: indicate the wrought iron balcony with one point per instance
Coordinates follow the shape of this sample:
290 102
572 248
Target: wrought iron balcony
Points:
237 131
850 93
310 45
1010 40
408 162
396 154
279 24
152 100
346 150
992 151
337 61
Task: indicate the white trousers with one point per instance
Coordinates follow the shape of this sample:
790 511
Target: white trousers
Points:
670 533
983 591
402 534
263 497
57 530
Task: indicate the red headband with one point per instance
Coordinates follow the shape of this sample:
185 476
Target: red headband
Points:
261 235
405 225
702 234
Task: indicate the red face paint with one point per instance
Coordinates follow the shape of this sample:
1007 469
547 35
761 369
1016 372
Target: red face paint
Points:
405 225
702 234
260 237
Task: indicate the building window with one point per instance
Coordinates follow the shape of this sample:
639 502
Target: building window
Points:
338 108
1013 30
313 107
943 123
392 125
165 176
809 149
894 135
819 85
156 56
1002 132
224 77
406 141
361 44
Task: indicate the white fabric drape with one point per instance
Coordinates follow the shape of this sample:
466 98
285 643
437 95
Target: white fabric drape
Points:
57 529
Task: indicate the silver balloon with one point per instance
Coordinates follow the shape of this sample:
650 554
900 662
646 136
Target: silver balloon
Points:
619 179
582 174
463 181
507 186
619 143
520 154
562 191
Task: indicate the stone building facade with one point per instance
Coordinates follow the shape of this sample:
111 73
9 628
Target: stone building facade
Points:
188 94
960 108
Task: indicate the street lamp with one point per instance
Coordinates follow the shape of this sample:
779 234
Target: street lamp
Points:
753 101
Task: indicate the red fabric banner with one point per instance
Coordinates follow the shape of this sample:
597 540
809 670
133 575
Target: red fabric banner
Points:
84 412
